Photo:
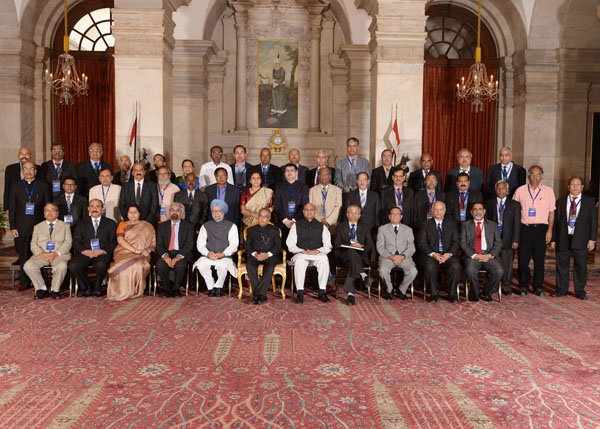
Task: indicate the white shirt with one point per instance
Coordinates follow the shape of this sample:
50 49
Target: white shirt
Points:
577 200
207 174
508 166
500 202
468 170
483 242
141 182
361 193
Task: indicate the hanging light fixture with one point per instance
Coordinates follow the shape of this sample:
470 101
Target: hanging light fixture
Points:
65 82
477 88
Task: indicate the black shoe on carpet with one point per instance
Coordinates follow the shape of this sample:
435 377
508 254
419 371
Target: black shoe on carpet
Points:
582 297
41 294
506 292
255 300
87 293
401 296
452 299
97 293
475 299
55 295
487 298
432 298
523 292
322 296
350 300
539 292
558 294
300 298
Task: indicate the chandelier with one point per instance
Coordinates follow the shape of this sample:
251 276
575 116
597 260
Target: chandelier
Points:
477 88
65 81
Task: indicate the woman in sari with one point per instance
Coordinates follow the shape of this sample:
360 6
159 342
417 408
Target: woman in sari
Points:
187 166
254 198
127 274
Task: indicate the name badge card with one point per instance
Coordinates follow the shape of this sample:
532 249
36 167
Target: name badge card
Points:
572 221
500 226
440 246
56 186
68 219
95 243
429 215
104 212
50 246
29 207
463 215
531 212
163 211
291 207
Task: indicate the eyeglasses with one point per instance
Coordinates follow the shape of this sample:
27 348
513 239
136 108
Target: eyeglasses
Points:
217 153
57 150
535 174
95 150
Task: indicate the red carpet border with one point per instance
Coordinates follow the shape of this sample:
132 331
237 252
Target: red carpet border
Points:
219 362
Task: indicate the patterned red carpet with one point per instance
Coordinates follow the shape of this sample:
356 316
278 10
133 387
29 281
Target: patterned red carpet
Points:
219 362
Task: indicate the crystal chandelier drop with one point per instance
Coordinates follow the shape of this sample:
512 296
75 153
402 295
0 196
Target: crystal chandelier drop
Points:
477 88
65 81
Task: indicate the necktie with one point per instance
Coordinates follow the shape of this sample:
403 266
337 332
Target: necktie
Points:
191 197
363 200
440 245
57 168
352 232
51 227
462 200
317 175
431 197
172 241
68 203
95 227
396 230
138 193
324 194
478 231
573 208
97 168
504 173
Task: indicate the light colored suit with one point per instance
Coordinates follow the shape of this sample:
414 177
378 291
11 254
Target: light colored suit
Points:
345 177
61 235
333 203
110 200
389 243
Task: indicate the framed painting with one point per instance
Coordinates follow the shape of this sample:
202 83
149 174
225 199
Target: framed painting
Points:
278 83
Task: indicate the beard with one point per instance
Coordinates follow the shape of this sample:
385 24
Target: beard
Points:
163 182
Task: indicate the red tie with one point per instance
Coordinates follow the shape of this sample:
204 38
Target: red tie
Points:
172 242
318 176
479 230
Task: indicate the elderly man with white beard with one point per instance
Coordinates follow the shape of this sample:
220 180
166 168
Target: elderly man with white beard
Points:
166 192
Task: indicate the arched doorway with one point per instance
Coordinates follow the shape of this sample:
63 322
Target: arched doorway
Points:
449 125
91 118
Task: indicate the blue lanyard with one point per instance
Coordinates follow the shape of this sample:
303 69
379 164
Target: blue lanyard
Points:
439 230
29 194
531 195
464 199
501 209
352 164
242 171
508 170
289 190
221 192
353 232
574 206
107 191
399 196
324 194
59 170
162 194
265 171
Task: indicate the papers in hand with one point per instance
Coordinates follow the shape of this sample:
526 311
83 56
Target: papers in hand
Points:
352 247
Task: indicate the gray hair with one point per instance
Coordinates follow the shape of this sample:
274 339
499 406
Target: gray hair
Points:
499 182
97 144
505 148
181 207
535 166
163 166
464 150
441 202
51 204
353 205
323 152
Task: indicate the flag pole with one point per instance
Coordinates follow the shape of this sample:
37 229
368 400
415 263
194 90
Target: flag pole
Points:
135 137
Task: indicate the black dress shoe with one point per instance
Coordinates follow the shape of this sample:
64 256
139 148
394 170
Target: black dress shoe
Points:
368 282
389 295
41 294
350 300
400 295
452 299
176 294
55 295
487 298
539 292
97 293
322 296
506 292
475 299
212 292
87 293
432 298
523 292
558 294
219 292
300 298
582 297
255 300
262 299
167 294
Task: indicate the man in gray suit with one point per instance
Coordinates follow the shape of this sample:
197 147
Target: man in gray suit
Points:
396 246
349 167
481 243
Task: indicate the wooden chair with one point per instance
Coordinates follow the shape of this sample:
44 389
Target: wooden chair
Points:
339 269
280 269
482 272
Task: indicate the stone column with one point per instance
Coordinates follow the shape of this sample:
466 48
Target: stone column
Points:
397 57
241 26
315 19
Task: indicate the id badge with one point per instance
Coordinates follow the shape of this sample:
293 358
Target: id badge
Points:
291 207
429 215
68 219
56 186
95 243
440 246
531 212
163 211
104 212
29 207
463 215
50 246
572 221
500 226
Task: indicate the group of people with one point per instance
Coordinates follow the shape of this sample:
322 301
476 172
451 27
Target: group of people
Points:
122 222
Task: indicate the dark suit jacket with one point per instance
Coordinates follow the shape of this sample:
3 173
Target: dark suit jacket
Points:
311 176
475 175
363 235
87 177
12 174
117 177
79 207
283 196
197 212
428 237
274 175
148 203
492 238
416 182
511 224
302 173
246 183
371 213
263 240
84 233
151 175
388 201
517 177
378 180
185 239
17 201
48 174
422 204
232 198
453 204
586 226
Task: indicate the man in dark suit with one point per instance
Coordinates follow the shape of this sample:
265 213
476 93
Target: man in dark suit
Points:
425 198
507 214
123 174
464 166
55 171
72 207
94 242
438 244
26 209
312 177
174 244
416 180
399 195
222 190
289 200
357 235
481 244
460 200
381 177
271 173
506 170
368 201
194 201
263 247
240 168
88 171
142 192
294 158
14 173
575 231
159 160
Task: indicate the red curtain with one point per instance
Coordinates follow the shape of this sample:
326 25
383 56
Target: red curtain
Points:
91 118
449 125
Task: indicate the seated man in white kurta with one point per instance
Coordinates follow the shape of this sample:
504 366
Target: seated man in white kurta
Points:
310 241
217 241
109 194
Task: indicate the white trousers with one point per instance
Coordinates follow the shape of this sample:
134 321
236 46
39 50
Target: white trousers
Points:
301 262
204 264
